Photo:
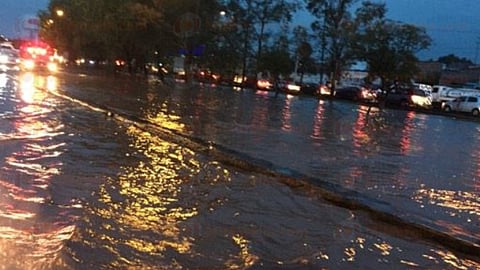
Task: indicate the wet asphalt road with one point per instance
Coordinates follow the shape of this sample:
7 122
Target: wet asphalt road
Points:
116 173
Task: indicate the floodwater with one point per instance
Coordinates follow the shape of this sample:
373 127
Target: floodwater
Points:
119 173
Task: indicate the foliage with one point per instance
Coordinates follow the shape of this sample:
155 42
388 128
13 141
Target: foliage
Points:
128 29
277 61
387 46
239 38
252 17
335 29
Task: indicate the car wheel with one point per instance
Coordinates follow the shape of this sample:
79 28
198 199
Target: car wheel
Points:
475 112
447 108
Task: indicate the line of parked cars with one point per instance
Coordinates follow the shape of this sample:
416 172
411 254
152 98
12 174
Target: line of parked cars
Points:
401 95
448 99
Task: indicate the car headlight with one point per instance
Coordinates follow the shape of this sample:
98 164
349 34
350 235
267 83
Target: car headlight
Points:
51 66
29 64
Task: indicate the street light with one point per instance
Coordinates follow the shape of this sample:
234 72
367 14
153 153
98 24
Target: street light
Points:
60 12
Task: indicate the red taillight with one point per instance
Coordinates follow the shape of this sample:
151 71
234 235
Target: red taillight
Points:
35 49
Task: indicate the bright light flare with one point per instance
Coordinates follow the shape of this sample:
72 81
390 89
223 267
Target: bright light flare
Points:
52 67
238 79
264 84
29 64
293 87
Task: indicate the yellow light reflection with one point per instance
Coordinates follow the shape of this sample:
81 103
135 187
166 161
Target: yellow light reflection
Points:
245 255
32 87
350 253
455 262
459 201
151 192
27 87
52 83
167 121
384 247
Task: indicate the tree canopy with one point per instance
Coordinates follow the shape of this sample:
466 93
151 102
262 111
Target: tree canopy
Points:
388 47
233 34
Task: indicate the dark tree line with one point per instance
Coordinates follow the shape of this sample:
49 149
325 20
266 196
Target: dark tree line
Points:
247 35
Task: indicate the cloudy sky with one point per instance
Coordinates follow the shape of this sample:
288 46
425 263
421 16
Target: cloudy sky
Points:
453 24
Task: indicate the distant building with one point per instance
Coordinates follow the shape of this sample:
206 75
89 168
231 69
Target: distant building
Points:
460 74
470 75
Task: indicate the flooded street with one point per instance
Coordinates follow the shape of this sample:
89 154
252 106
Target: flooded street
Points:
121 173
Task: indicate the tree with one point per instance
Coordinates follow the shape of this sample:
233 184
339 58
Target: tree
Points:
128 29
270 11
277 57
103 29
252 17
387 46
335 29
277 61
304 51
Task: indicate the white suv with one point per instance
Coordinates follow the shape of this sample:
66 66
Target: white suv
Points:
470 104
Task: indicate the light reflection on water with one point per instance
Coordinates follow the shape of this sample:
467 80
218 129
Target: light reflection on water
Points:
171 207
149 207
398 154
29 239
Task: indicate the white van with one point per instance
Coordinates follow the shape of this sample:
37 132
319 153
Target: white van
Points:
442 94
439 92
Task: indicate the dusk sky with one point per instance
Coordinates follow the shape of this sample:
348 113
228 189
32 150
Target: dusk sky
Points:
453 24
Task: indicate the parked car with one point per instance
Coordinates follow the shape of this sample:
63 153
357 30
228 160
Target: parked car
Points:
355 93
265 81
406 96
309 88
467 104
323 90
207 76
287 86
